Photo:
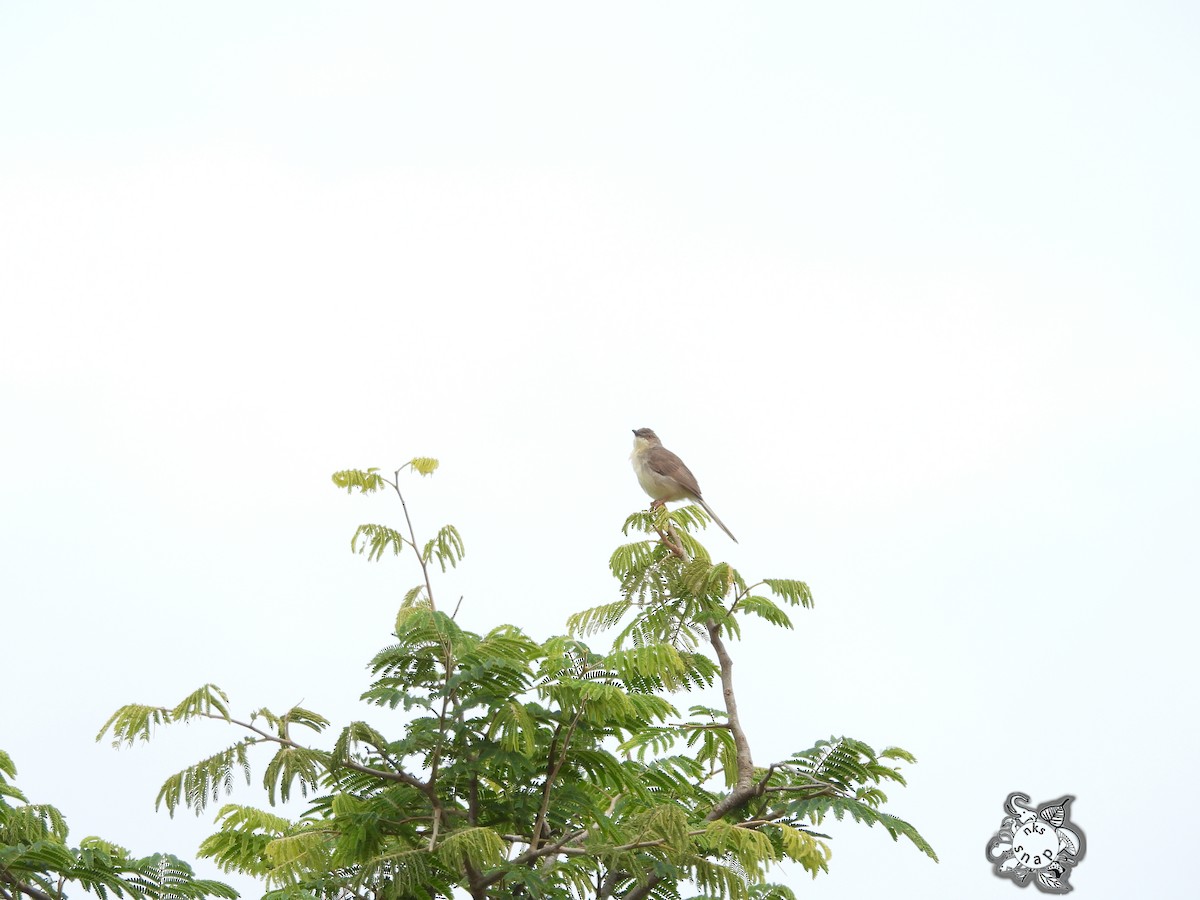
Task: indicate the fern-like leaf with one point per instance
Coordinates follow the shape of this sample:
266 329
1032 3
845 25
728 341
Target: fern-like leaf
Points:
294 766
133 722
207 700
795 593
798 845
481 848
294 854
764 609
816 808
196 785
366 481
423 465
375 540
598 618
447 548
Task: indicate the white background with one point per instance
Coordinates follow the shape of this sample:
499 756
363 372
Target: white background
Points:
911 287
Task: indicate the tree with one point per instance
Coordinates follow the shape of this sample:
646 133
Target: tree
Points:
536 768
37 863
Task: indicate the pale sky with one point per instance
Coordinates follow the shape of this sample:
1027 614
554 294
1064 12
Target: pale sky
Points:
913 288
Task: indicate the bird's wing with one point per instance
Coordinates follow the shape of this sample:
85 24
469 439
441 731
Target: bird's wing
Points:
665 463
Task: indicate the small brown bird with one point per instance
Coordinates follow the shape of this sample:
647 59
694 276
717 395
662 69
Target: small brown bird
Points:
663 475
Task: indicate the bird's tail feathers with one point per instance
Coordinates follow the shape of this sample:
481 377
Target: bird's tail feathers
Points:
712 515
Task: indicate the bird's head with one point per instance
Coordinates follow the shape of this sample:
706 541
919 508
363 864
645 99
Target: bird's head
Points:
645 437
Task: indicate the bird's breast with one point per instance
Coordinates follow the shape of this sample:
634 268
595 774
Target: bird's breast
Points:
659 487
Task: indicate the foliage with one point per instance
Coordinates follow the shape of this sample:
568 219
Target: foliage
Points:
537 768
36 861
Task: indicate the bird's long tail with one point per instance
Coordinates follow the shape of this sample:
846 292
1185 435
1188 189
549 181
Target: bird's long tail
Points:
713 516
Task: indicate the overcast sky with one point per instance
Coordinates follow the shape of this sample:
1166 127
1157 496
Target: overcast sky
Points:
913 288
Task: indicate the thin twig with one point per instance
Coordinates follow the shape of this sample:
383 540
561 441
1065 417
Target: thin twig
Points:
398 776
412 540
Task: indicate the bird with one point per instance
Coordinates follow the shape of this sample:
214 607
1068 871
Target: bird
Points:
663 475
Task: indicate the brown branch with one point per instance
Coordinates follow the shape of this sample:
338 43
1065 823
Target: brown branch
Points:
642 891
475 882
604 891
448 664
383 753
532 854
473 800
552 772
744 787
762 783
819 788
561 845
610 881
23 888
672 542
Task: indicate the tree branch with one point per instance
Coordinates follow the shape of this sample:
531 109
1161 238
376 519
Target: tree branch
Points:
473 800
609 884
642 891
552 773
744 788
476 884
401 777
447 665
412 540
21 887
532 854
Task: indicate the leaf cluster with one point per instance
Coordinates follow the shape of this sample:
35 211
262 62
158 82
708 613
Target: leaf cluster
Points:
36 860
543 768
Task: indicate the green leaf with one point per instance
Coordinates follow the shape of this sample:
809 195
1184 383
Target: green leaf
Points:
765 609
479 847
292 855
375 540
423 464
366 481
795 593
447 548
898 753
798 845
294 766
133 722
598 618
207 700
515 726
198 784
